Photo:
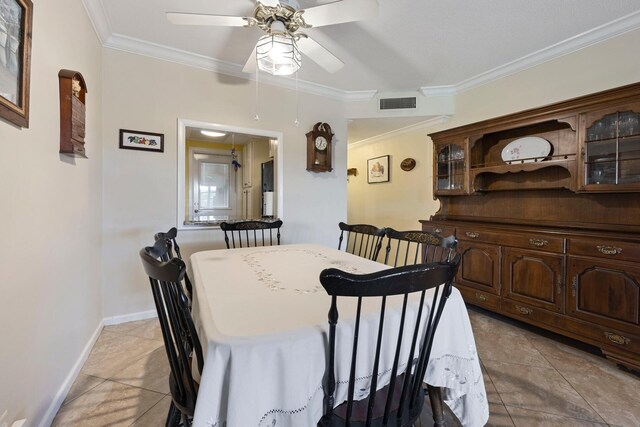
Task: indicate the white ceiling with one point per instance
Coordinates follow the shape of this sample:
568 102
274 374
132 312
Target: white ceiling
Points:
411 44
425 45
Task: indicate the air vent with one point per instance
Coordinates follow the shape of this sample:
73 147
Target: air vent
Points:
398 103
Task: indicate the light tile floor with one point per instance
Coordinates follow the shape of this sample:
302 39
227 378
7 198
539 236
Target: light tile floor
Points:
531 377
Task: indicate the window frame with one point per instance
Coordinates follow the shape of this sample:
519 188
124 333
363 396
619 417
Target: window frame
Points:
183 124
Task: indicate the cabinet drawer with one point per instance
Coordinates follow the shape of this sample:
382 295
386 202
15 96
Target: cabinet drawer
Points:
605 248
479 235
526 241
479 298
439 229
528 313
534 241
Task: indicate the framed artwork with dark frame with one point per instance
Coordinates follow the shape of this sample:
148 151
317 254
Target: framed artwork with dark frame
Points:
145 141
16 19
378 169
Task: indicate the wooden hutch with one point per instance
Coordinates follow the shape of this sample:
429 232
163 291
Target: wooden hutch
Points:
552 240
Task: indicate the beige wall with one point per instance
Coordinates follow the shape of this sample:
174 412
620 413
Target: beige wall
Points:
51 215
408 197
140 188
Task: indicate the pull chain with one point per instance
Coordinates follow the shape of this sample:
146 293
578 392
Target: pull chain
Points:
257 117
296 122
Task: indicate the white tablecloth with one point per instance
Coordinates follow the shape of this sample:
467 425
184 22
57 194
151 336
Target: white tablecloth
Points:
261 315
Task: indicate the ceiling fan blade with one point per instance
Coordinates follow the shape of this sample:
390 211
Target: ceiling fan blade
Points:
202 19
269 2
250 66
340 11
319 54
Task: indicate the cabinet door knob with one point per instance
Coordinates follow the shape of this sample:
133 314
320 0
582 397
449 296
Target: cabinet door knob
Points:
524 310
437 230
538 242
609 250
617 338
472 234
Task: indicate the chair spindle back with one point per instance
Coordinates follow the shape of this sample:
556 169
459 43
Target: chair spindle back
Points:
416 247
361 239
400 402
246 234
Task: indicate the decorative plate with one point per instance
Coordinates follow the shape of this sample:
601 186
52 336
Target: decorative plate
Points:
408 164
526 150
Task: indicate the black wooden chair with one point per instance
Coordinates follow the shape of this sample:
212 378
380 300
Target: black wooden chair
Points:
178 331
400 402
361 239
415 247
246 234
170 238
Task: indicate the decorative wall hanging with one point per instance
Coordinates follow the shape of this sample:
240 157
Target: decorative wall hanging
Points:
378 169
352 171
137 140
73 90
16 18
408 164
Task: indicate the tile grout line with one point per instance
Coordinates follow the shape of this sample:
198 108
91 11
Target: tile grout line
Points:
84 392
604 423
497 392
583 398
148 410
568 382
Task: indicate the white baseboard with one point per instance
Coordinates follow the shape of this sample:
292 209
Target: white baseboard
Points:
69 380
73 374
124 318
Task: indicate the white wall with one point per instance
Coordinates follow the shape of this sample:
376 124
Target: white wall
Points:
51 215
403 201
140 188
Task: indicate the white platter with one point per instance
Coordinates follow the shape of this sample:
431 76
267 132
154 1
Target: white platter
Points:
526 150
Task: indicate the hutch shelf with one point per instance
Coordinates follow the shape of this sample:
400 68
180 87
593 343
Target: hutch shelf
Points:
553 239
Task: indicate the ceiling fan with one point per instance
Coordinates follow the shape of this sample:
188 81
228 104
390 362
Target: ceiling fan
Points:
278 51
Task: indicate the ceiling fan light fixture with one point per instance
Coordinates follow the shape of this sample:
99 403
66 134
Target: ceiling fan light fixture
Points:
278 54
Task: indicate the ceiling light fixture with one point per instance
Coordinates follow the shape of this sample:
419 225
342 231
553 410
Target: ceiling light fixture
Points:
212 133
277 52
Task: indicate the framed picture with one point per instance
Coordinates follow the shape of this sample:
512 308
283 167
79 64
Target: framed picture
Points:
136 140
16 18
378 169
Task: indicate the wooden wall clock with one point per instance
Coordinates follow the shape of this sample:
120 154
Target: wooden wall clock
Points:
319 143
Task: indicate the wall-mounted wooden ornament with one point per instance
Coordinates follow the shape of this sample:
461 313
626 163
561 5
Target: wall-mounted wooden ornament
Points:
352 172
408 164
73 92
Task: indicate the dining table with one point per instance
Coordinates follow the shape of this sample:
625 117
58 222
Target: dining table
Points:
261 316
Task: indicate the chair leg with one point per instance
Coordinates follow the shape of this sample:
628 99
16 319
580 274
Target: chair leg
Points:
435 397
173 418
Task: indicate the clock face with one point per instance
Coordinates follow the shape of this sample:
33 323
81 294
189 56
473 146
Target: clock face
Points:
321 143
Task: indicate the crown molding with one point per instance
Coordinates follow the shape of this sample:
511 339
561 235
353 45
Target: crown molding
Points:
435 121
125 43
98 17
433 91
596 35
